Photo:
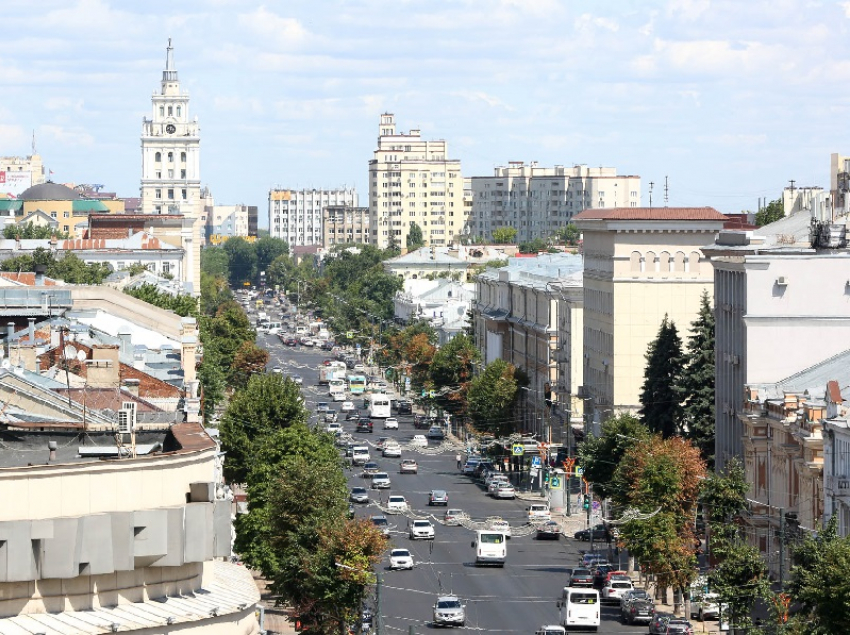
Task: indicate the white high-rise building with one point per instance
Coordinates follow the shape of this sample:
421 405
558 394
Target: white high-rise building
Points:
171 165
413 181
296 215
539 201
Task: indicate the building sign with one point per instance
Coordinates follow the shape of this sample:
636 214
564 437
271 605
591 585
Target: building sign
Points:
14 183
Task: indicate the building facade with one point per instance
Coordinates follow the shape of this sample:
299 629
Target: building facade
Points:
538 201
640 264
227 221
345 225
19 173
412 180
171 160
296 215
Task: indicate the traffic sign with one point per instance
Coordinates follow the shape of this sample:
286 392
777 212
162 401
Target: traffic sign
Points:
579 471
555 482
349 334
517 449
536 462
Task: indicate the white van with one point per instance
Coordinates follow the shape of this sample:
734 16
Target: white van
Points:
580 607
490 547
360 455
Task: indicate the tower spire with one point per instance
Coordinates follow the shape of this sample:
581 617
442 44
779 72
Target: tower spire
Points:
170 73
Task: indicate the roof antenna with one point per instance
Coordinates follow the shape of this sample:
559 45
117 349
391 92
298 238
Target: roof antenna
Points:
666 191
651 185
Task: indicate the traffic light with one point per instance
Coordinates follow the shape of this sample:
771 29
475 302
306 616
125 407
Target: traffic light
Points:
586 501
546 477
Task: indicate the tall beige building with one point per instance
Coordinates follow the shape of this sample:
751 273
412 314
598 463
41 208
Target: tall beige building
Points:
639 264
413 181
171 161
345 225
19 173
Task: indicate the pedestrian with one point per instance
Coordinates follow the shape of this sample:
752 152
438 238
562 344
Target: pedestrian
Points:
457 458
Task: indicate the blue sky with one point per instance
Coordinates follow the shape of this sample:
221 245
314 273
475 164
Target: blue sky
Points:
728 99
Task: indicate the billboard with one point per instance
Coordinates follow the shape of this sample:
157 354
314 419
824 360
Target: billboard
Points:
13 183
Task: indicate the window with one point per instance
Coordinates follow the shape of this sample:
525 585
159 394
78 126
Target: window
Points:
166 267
179 111
162 111
170 194
182 174
158 174
183 194
66 228
157 157
66 214
171 157
157 193
183 157
170 111
171 174
53 214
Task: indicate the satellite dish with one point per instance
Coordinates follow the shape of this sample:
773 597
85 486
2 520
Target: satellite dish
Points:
81 355
69 352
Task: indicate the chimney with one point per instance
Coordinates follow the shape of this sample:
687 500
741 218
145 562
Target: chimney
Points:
52 446
31 331
132 386
39 275
126 342
103 368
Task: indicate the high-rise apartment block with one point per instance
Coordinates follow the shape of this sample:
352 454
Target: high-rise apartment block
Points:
345 225
19 173
296 215
412 180
539 201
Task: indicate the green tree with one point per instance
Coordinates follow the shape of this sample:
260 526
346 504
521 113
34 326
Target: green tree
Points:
249 360
267 250
569 235
181 304
492 396
819 581
268 403
213 382
504 235
661 407
214 292
70 268
282 272
414 237
452 368
31 231
694 387
770 213
600 456
242 261
533 246
215 261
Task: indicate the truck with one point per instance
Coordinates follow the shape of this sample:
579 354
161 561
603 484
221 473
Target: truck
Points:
335 370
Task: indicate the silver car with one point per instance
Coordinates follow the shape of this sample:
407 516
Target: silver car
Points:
380 480
449 611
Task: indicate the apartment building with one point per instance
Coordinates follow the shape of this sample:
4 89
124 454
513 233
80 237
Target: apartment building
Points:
412 180
227 221
296 215
538 201
345 225
640 264
836 470
19 173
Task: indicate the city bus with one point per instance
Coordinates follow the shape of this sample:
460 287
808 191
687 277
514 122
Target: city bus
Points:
580 608
356 384
490 547
336 389
378 405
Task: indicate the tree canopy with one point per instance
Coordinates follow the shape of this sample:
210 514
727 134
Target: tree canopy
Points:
70 268
770 213
491 398
504 235
414 237
600 456
30 231
661 408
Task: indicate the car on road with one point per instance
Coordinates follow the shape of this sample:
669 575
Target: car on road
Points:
397 503
347 406
390 423
404 407
277 370
436 433
381 480
382 441
498 524
505 490
359 495
679 627
421 530
408 466
382 524
705 606
360 368
392 450
592 559
323 406
494 482
297 379
334 428
614 588
538 512
364 425
353 415
470 465
453 517
581 577
438 497
419 441
369 468
637 610
658 623
549 530
600 532
600 575
449 611
330 416
401 559
551 629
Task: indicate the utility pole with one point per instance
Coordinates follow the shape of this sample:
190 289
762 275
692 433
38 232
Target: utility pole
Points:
781 548
378 616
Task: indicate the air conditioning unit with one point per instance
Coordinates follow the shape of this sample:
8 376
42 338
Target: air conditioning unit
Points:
126 421
782 281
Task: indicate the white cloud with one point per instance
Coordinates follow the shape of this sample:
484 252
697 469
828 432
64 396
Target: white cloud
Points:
711 57
590 23
280 31
64 104
734 140
13 137
238 103
688 10
480 96
846 7
67 136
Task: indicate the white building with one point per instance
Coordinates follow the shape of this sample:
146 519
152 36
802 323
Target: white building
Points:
413 181
19 173
538 201
296 215
171 161
836 471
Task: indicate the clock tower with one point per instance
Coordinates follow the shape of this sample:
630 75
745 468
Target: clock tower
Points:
171 167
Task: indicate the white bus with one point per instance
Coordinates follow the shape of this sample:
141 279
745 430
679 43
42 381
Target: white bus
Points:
379 405
336 389
580 608
490 547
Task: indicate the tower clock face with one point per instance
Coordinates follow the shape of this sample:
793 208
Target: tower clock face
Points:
171 128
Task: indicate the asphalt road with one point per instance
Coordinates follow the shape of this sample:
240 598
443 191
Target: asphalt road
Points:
518 598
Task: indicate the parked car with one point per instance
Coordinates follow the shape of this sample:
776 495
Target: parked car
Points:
658 623
637 610
679 627
581 578
408 466
505 490
421 529
449 611
600 532
538 512
390 423
549 530
705 606
401 559
404 408
438 497
436 433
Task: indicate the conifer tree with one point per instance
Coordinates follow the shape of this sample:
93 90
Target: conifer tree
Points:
661 409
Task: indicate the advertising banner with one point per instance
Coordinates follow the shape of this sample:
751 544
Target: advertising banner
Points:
14 183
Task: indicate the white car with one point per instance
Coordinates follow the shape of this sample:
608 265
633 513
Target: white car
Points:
392 450
334 428
401 559
297 379
614 589
538 512
391 423
277 370
347 406
421 529
359 368
419 441
380 480
505 490
397 503
499 524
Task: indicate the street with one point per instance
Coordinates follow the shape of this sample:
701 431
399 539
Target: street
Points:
518 598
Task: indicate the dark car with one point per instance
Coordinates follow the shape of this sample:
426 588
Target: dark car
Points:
638 610
404 408
364 425
549 531
600 532
600 576
679 627
658 623
353 415
581 578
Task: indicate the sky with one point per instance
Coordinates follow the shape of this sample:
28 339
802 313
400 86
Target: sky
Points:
725 100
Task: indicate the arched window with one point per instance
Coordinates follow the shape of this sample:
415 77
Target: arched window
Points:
651 263
171 157
635 261
179 111
664 262
679 261
158 157
183 157
693 262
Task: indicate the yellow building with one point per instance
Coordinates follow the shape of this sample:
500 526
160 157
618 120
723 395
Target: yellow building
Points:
58 206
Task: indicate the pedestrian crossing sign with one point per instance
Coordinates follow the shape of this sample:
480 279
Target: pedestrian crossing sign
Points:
518 449
555 482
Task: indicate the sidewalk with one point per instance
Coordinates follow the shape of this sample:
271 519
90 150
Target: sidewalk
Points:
276 617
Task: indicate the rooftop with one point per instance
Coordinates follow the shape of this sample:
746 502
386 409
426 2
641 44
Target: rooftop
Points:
652 214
